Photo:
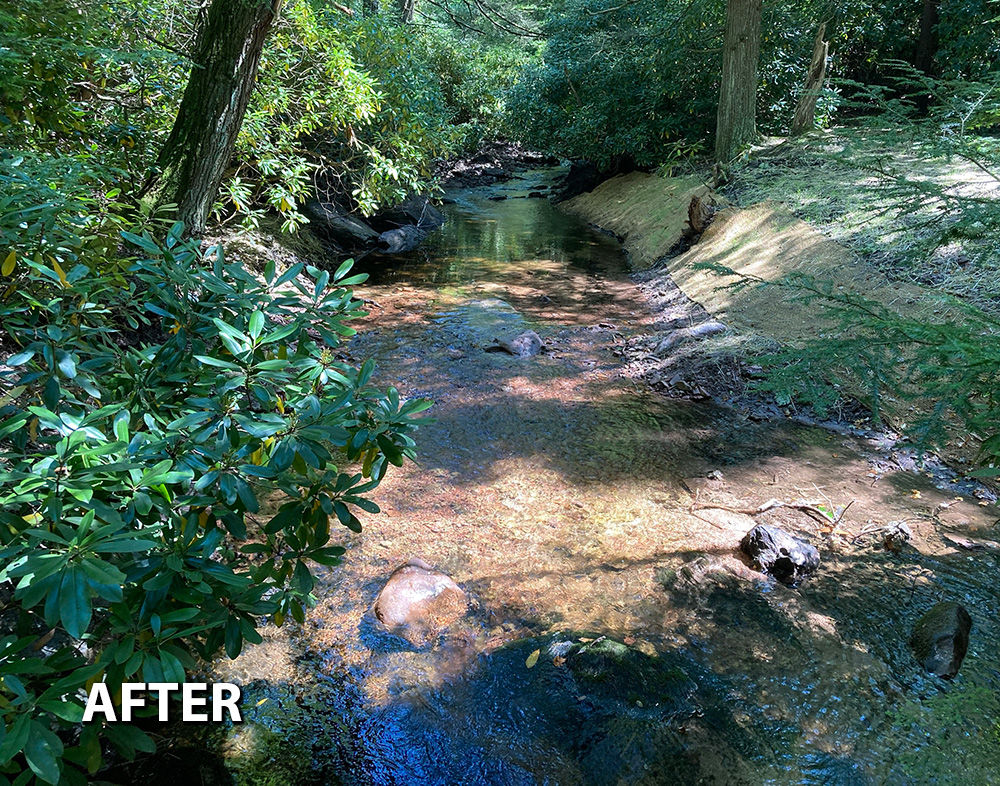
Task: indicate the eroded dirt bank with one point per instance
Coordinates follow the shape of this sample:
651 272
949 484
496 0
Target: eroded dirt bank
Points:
568 500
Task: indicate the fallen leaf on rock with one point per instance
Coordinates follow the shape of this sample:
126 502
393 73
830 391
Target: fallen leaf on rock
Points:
532 659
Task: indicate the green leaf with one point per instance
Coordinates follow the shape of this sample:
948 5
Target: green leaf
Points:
17 736
216 362
256 324
343 270
145 243
74 602
120 426
43 751
66 364
66 710
128 739
289 274
233 637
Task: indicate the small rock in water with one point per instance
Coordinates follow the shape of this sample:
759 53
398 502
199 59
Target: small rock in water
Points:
418 603
524 345
940 639
783 556
897 534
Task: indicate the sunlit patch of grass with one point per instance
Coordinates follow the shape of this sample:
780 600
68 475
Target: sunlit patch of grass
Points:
910 210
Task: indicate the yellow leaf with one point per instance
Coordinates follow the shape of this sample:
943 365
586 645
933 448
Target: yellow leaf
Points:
532 659
59 271
9 262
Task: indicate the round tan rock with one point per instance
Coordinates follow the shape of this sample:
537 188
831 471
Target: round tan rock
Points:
419 603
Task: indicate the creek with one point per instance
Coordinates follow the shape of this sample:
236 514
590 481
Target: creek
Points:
558 493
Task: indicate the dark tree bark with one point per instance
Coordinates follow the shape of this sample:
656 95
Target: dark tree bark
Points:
736 124
927 44
805 113
200 146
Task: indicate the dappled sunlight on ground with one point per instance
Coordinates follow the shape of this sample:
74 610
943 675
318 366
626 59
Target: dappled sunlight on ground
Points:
563 498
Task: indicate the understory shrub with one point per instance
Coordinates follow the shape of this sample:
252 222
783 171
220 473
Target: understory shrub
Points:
178 444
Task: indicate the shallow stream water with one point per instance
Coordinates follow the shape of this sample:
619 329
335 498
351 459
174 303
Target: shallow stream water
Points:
566 501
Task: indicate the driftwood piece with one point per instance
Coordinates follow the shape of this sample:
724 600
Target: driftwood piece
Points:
805 112
811 508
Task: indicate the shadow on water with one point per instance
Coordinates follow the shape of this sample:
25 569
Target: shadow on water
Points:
700 673
758 683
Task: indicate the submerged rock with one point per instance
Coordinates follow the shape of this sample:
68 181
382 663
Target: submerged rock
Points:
940 639
523 345
783 556
418 603
402 239
562 709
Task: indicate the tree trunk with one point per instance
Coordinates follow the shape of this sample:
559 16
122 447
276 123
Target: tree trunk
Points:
805 113
927 44
736 124
407 8
200 146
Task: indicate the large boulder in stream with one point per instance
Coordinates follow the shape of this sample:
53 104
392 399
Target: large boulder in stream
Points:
940 639
418 603
783 556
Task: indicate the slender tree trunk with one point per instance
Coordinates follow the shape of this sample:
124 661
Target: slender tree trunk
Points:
736 125
200 146
927 44
407 8
805 113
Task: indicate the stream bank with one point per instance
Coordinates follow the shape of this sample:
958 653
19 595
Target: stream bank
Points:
574 507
